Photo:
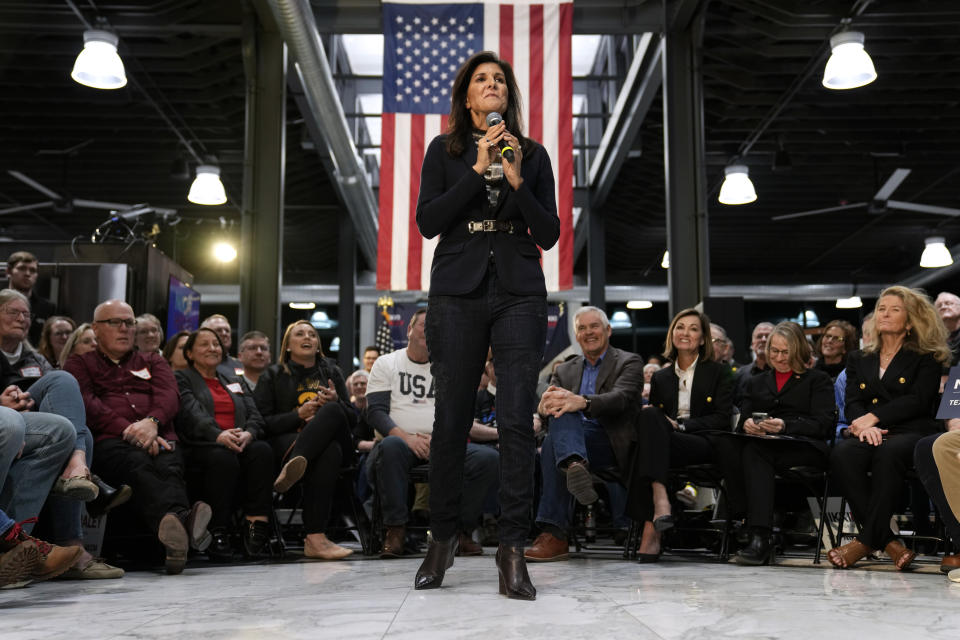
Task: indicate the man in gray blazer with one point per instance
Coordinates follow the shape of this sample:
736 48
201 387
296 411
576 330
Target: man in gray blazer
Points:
591 404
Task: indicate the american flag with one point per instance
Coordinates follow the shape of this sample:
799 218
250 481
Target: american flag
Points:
424 46
384 337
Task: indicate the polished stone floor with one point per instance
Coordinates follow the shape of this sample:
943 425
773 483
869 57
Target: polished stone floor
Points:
594 598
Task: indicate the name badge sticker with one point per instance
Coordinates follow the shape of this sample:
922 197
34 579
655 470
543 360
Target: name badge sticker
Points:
143 374
31 372
234 387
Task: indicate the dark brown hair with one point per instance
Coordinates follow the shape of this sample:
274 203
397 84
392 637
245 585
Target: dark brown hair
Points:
849 337
171 345
460 124
192 340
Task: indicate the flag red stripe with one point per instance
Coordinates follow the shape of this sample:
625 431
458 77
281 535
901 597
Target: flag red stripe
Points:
386 201
565 161
506 32
537 73
415 245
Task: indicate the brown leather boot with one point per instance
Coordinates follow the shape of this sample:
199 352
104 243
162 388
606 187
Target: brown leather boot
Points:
53 560
548 548
468 547
393 542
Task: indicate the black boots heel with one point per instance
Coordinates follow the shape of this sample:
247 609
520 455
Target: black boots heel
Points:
514 579
439 558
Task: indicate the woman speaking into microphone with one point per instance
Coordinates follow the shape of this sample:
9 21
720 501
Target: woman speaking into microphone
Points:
486 290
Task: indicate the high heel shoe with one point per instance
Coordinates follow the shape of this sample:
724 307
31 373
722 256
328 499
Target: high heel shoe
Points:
108 498
759 551
514 579
439 558
663 523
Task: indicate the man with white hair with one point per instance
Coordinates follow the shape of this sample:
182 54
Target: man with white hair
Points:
948 307
758 345
591 403
131 399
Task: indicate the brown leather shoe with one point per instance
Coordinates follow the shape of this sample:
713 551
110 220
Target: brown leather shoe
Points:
548 548
53 559
18 564
949 563
174 538
393 542
468 547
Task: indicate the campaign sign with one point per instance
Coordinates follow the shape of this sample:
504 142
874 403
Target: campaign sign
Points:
950 402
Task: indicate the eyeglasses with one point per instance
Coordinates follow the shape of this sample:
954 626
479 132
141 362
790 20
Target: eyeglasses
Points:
720 340
830 338
62 334
778 352
149 329
16 313
117 322
255 347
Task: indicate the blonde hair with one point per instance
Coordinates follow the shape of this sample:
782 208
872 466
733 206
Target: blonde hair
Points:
71 342
800 350
706 349
284 355
926 334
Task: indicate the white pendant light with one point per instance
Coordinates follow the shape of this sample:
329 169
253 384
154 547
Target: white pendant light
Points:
206 187
665 261
639 304
737 188
98 65
935 254
853 302
224 252
849 65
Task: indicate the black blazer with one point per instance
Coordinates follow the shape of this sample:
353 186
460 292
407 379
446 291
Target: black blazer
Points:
711 397
452 194
806 403
617 397
276 393
195 423
905 399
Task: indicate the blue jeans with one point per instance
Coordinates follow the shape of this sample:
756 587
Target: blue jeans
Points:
47 440
5 522
569 436
459 330
391 460
58 392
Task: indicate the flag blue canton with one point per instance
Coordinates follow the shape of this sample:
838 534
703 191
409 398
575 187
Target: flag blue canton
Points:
424 45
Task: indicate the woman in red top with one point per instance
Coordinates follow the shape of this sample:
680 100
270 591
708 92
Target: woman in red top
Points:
228 465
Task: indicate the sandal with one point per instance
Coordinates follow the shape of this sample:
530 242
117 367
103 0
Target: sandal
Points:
845 556
899 554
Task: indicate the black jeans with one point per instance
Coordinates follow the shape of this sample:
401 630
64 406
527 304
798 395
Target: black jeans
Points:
459 331
224 479
157 481
326 443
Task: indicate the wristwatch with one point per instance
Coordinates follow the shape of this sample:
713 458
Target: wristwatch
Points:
156 421
586 409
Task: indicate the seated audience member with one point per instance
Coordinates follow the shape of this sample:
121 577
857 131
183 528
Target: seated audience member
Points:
221 430
687 401
173 351
254 355
839 338
786 400
400 406
867 335
591 404
80 341
937 458
131 400
363 433
33 449
149 333
758 347
891 397
948 308
485 412
56 331
648 371
303 401
723 346
53 392
370 355
22 271
221 326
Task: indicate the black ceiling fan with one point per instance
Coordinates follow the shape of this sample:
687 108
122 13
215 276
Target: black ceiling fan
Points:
880 202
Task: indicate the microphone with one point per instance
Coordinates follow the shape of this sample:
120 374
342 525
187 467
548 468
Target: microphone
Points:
493 119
